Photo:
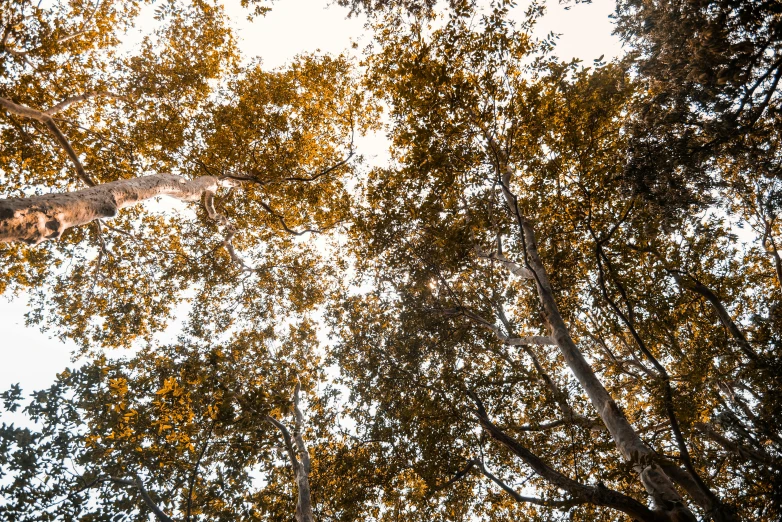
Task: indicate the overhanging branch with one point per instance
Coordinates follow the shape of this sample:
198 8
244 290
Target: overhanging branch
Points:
48 121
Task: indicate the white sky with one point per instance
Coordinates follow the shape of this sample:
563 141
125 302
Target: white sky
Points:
32 358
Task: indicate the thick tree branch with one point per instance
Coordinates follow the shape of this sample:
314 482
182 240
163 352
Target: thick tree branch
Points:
560 397
304 505
288 441
67 102
299 430
38 218
597 495
561 504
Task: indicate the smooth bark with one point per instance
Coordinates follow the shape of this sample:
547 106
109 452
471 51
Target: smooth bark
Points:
299 459
630 445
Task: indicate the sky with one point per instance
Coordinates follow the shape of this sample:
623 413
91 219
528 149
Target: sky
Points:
32 358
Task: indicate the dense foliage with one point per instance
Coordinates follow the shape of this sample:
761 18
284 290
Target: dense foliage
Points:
558 299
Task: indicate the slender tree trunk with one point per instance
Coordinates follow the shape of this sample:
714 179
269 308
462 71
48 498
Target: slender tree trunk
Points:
304 505
38 218
632 448
299 459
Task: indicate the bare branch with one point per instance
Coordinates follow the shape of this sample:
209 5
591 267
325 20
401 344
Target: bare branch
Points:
224 225
255 178
459 476
285 226
561 504
560 397
162 517
297 434
67 102
47 120
139 484
628 442
286 436
194 474
531 340
301 468
597 495
324 172
513 268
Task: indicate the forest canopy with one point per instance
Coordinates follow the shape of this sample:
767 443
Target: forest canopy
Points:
557 298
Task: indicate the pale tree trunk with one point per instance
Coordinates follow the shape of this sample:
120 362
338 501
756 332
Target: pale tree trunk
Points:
304 505
633 449
299 459
38 218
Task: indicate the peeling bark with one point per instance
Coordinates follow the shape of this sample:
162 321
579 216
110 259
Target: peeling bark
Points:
38 218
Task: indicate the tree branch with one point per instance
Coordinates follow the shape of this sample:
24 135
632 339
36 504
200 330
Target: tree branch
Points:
38 218
67 37
194 474
701 492
225 226
736 448
561 504
597 495
300 459
139 484
47 120
633 449
67 102
514 268
285 226
299 430
531 340
689 282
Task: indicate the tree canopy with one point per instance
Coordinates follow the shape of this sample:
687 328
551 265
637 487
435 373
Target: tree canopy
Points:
556 299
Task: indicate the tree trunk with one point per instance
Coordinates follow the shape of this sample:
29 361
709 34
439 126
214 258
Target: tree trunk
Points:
633 449
38 218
